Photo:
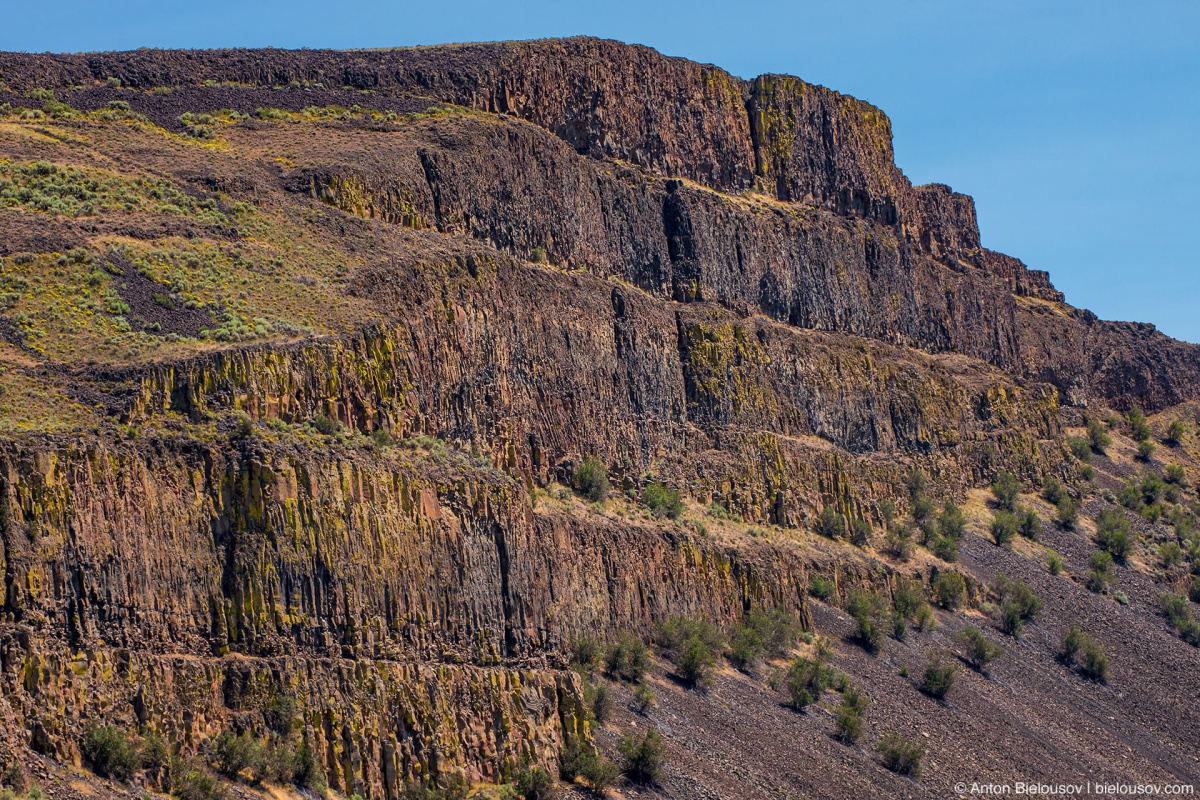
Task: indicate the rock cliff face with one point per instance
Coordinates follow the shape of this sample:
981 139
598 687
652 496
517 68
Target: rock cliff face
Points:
793 141
356 318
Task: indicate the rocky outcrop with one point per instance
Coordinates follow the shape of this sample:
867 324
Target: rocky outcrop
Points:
795 141
803 145
805 267
928 284
373 724
555 250
615 371
823 149
405 600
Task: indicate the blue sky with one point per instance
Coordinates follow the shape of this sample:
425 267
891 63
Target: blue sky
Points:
1073 124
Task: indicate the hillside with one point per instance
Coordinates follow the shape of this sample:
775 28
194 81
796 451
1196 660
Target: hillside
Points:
309 362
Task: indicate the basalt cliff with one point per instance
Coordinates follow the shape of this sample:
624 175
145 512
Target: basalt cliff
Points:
303 355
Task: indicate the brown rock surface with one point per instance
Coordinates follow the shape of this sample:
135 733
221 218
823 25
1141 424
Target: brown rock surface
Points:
300 355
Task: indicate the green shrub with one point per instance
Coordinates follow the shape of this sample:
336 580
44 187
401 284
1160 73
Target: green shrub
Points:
534 783
848 723
642 758
830 523
1019 605
1004 528
1184 523
917 483
1053 492
678 630
573 759
694 663
155 752
197 784
236 755
1175 432
1098 437
1194 591
949 589
925 619
952 523
1029 524
112 752
1176 474
900 755
1011 622
1152 488
1054 563
1139 428
1175 609
600 774
1078 650
662 501
922 509
867 610
1018 596
806 679
1067 515
382 439
590 479
643 698
979 652
307 773
1145 450
939 677
762 634
1100 575
909 597
693 646
578 760
946 549
14 777
898 541
627 658
325 426
1189 631
598 699
586 653
1169 555
860 532
1130 496
718 511
1114 534
1080 448
283 716
821 588
1006 489
278 763
1095 664
538 255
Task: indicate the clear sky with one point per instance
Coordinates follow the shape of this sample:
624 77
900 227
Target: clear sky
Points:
1073 123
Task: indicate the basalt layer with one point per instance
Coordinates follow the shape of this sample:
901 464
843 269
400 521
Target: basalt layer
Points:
301 350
